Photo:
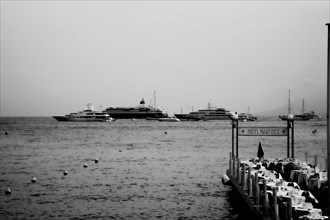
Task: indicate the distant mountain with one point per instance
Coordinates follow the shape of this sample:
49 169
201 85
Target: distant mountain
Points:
312 104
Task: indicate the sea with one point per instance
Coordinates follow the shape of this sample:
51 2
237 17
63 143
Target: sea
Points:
133 169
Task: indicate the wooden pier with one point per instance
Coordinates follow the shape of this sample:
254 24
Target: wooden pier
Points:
267 194
269 197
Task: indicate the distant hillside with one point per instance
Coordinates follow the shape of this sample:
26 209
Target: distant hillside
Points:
315 104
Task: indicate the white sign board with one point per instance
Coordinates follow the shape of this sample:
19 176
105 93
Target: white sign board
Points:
263 131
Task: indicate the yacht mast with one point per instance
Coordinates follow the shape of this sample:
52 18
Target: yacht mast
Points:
303 106
155 99
289 104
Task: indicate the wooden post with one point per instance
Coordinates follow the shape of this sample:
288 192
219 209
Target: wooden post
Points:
248 179
275 206
288 138
234 167
276 217
250 183
232 137
230 164
237 138
315 161
265 197
257 190
238 171
326 164
264 186
289 209
306 157
243 177
253 188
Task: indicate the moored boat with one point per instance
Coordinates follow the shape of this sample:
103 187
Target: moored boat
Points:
301 117
247 116
169 119
296 117
188 117
137 112
86 115
211 113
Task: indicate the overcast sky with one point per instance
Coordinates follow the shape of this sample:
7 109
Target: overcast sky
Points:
56 56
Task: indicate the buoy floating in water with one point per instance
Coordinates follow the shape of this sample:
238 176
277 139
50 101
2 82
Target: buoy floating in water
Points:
8 191
65 172
85 165
33 180
225 179
96 160
130 147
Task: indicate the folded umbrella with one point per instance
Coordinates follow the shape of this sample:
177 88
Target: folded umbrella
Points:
260 153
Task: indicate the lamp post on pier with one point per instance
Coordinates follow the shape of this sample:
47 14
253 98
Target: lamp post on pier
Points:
234 124
291 126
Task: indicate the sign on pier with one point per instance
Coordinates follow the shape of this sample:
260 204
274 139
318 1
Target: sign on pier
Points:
263 131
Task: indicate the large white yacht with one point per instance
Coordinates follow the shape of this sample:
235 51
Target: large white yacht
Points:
211 113
86 115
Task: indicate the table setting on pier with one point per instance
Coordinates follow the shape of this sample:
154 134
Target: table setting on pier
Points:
309 178
303 203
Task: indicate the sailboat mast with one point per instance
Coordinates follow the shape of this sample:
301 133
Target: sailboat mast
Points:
289 104
303 106
155 98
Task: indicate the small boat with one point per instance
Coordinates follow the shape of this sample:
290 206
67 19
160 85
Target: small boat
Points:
242 117
169 119
247 116
87 115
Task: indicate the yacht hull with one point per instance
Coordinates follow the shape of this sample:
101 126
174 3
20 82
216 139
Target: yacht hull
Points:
63 118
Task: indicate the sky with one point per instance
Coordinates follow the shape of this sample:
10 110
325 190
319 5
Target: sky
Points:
57 56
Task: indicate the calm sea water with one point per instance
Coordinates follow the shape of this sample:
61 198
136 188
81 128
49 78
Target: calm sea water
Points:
146 169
